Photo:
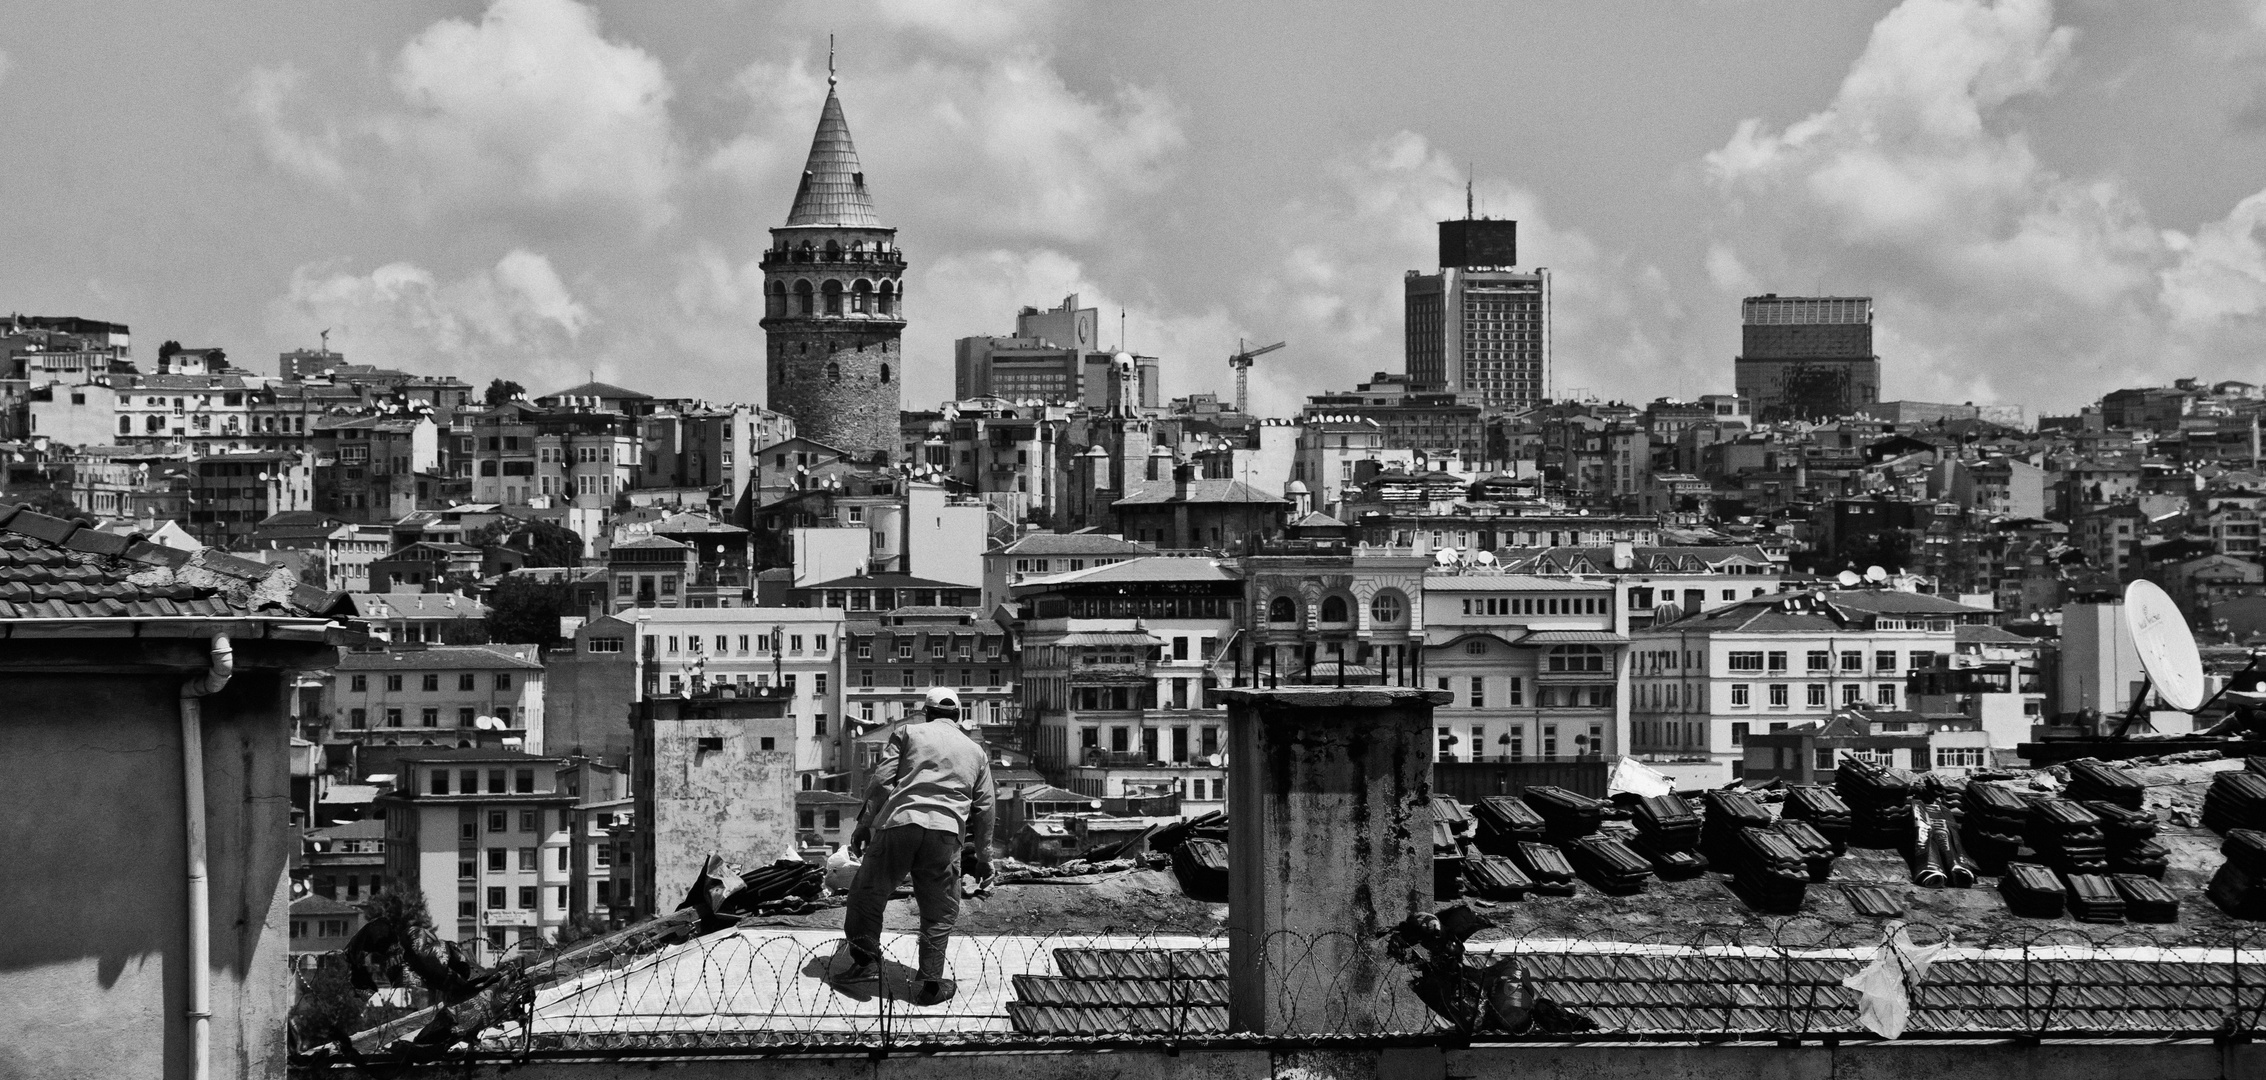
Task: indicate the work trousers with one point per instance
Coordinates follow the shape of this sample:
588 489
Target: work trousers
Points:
932 857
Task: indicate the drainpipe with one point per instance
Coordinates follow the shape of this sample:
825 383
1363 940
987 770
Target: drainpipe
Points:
220 666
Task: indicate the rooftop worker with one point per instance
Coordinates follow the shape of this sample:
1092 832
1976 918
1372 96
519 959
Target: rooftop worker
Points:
931 796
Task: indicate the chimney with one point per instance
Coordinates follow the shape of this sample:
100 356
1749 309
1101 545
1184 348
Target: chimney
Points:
1624 555
1183 480
1330 824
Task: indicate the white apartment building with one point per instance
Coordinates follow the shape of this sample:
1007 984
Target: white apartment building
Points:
1700 685
1538 666
485 835
680 649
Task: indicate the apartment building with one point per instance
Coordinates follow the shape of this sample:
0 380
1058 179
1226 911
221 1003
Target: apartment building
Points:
1538 665
435 696
1701 684
689 650
485 835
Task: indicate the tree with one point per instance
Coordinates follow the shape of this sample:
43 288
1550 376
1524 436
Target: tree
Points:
502 390
54 502
523 610
546 543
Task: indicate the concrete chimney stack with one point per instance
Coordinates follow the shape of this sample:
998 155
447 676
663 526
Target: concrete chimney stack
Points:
1330 841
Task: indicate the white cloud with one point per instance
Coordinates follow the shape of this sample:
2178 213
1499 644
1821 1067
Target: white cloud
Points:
264 96
1994 272
532 104
515 319
1001 139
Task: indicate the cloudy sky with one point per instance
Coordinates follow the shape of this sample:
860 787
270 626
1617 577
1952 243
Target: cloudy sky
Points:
2048 201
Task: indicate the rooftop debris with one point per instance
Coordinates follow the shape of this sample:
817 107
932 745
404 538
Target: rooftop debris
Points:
1879 801
2032 891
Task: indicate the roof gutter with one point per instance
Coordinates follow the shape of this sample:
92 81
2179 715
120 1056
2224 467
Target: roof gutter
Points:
219 668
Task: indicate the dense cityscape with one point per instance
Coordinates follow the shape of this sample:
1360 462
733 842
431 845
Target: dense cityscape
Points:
548 714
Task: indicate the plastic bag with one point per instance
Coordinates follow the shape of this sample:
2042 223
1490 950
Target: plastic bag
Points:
841 870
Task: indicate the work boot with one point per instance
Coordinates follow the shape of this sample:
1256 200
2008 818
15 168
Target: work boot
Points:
860 972
935 992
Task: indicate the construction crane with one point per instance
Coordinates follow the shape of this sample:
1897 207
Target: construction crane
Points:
1241 362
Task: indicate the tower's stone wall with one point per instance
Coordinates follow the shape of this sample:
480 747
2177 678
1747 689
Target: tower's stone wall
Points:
833 316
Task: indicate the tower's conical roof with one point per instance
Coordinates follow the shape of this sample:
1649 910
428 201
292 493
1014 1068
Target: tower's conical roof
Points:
833 188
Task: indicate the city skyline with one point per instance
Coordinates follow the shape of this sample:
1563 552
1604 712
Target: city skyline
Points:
2045 202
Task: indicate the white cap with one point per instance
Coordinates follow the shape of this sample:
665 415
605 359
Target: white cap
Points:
942 701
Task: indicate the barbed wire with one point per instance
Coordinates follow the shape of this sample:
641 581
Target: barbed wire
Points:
777 990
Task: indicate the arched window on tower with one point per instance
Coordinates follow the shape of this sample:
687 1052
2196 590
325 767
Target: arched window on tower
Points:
803 298
885 374
802 254
833 291
776 305
833 251
833 372
888 299
861 297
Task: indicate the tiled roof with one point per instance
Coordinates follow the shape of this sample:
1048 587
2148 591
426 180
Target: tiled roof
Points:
1124 992
599 390
1163 492
417 606
1134 571
52 568
1043 544
1451 581
833 190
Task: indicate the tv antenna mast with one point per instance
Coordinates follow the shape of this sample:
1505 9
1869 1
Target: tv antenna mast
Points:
1241 362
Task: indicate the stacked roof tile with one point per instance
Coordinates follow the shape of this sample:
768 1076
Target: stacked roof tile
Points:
54 568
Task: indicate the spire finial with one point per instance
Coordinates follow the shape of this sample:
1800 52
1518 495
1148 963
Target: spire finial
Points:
830 79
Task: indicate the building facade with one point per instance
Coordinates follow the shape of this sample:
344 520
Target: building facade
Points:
1806 357
484 834
1479 328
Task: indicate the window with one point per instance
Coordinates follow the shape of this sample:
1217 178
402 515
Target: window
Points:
1884 660
1282 609
527 859
393 684
1885 694
496 860
1825 758
1922 661
523 781
429 718
1739 695
1386 608
1852 660
1820 660
1739 733
467 681
431 684
527 897
464 716
1475 647
1778 695
503 681
1478 692
393 717
1777 661
440 782
1959 757
1852 694
1746 661
496 902
1814 695
527 824
357 718
1577 658
361 684
498 821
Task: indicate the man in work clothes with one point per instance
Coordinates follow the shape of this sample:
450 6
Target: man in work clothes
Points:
931 796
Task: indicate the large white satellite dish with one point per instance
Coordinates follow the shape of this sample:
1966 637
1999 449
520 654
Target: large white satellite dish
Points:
1444 557
1875 574
2167 649
1849 579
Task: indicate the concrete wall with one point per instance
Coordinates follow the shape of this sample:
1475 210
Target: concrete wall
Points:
1332 835
1911 1060
90 976
738 800
587 696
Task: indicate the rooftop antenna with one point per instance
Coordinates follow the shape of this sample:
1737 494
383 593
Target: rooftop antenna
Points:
830 79
1121 328
325 335
1467 169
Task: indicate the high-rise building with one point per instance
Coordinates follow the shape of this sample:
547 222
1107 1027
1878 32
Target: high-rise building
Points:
1806 357
834 302
1480 327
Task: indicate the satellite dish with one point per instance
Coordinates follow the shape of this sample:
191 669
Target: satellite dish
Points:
1444 557
1875 574
2167 649
1849 579
1484 558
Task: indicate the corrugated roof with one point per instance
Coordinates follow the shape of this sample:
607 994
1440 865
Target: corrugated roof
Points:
1574 637
53 568
1452 581
1135 571
417 606
1163 492
435 658
833 190
1103 637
